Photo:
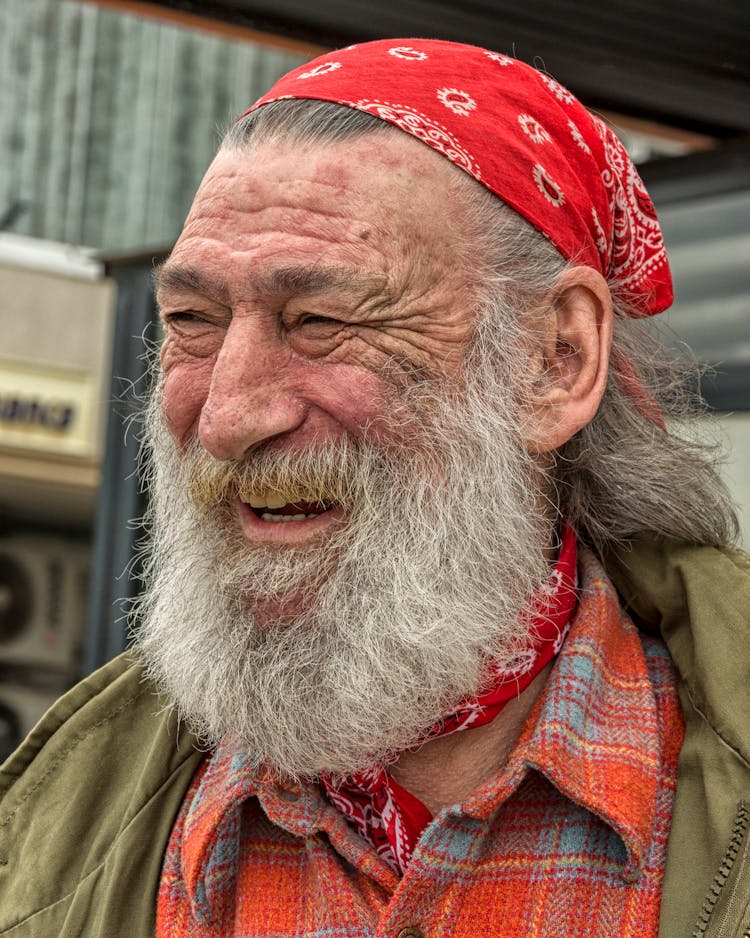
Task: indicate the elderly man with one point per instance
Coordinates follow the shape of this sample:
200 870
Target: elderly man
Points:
442 633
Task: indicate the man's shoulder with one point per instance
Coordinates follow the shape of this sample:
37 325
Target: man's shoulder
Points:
94 702
664 572
699 598
104 765
689 592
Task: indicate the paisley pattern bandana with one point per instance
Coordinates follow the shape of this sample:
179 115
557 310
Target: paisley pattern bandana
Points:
519 133
386 814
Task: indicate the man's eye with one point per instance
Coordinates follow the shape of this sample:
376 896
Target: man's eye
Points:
183 317
319 320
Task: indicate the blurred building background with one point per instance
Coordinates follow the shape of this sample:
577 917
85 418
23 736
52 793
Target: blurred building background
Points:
110 113
108 120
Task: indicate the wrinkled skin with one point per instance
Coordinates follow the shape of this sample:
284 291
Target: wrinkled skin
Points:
297 279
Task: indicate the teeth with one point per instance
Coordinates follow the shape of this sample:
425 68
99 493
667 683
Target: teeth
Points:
267 516
266 500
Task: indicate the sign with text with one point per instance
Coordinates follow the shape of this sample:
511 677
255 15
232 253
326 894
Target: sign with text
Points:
48 410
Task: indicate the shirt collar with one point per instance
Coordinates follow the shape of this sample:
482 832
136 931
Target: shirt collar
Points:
594 731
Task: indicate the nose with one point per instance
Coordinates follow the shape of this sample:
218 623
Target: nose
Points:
252 397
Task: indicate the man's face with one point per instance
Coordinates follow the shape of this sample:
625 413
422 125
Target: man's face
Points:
304 285
319 310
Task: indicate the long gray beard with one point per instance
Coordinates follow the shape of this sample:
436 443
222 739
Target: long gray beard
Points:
397 613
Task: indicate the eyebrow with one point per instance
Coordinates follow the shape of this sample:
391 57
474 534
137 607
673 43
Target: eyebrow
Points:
297 279
176 278
315 279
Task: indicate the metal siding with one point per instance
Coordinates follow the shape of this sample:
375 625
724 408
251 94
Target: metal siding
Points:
108 121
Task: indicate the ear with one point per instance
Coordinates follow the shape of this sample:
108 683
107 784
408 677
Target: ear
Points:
570 359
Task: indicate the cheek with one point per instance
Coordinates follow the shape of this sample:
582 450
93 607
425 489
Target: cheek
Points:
184 392
357 399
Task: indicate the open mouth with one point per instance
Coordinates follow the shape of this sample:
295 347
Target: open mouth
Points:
279 511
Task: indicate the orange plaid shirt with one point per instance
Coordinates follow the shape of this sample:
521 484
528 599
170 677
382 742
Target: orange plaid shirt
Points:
569 839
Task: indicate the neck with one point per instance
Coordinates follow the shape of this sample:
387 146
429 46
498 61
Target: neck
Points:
448 769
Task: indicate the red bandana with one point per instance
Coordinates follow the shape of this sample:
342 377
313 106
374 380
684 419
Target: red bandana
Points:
519 133
387 815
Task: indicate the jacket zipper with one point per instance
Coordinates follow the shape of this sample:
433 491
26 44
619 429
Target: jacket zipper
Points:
739 829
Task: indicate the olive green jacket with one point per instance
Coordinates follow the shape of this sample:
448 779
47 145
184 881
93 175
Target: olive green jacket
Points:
89 800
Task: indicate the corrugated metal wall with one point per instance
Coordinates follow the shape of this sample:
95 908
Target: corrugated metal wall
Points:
106 119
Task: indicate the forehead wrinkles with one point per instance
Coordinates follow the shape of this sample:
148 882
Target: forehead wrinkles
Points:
320 228
398 213
291 176
396 170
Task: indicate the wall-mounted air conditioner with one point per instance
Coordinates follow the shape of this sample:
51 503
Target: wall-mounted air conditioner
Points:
43 602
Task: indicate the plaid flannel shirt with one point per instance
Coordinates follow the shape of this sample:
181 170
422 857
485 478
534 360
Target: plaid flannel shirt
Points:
568 839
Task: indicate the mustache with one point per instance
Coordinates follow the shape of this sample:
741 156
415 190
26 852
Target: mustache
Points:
329 474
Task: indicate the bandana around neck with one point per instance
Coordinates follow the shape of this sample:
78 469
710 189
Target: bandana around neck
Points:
519 133
386 814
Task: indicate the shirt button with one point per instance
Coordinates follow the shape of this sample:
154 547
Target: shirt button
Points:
410 932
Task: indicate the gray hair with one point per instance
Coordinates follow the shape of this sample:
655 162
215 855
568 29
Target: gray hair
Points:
622 475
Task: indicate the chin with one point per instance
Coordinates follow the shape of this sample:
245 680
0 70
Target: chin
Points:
279 610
